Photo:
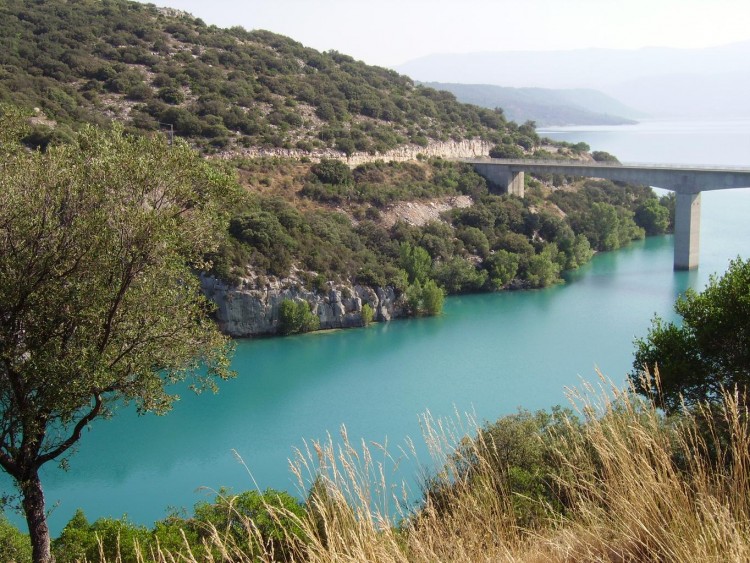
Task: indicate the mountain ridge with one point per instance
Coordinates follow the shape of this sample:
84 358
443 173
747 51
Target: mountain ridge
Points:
545 106
650 79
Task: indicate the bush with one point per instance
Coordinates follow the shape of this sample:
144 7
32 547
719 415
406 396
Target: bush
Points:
709 350
296 317
603 156
367 314
115 539
506 151
14 545
425 299
333 172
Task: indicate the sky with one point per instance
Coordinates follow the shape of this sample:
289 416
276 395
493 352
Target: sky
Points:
391 32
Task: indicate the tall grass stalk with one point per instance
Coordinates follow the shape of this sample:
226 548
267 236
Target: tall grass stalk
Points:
633 486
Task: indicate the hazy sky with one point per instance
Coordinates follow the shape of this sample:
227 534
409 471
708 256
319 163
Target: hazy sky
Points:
390 32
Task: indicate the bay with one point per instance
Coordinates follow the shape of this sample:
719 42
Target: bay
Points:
487 354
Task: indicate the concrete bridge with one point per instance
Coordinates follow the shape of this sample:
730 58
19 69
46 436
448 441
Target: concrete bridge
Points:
686 181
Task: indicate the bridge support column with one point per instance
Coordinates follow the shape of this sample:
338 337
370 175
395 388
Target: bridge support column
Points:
687 223
502 178
516 183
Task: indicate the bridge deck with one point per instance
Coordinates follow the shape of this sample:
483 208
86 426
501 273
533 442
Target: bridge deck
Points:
675 177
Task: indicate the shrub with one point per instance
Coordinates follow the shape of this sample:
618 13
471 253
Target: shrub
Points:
333 172
367 314
506 151
296 317
14 545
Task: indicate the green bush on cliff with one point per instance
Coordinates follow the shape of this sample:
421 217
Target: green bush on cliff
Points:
296 317
367 314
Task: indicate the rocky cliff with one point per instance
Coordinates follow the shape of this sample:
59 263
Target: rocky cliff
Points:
469 148
243 312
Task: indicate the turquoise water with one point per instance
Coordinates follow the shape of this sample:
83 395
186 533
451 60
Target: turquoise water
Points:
487 354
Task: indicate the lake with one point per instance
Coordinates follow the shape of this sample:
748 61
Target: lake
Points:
487 354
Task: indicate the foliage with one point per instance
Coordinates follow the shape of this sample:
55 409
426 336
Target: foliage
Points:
520 451
296 317
98 301
425 299
460 276
115 539
332 172
367 314
502 267
603 156
14 545
267 521
415 261
506 151
91 62
653 217
708 352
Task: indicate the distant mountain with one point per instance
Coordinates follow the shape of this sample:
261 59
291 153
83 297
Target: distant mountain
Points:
659 81
547 107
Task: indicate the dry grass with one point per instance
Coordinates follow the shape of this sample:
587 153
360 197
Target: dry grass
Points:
636 487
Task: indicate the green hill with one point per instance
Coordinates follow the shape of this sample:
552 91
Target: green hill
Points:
97 61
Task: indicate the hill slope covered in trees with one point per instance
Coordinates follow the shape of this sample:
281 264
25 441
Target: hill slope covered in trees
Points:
95 61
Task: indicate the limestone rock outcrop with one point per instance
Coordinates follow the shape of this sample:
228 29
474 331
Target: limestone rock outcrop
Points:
242 312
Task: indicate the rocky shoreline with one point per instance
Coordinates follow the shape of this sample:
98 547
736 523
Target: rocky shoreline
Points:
243 312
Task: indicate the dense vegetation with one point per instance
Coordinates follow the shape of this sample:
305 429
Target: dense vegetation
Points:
708 352
94 61
332 228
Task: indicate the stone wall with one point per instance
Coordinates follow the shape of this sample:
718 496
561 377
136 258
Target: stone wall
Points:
252 312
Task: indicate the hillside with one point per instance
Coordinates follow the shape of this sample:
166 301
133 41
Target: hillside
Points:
310 224
224 89
544 106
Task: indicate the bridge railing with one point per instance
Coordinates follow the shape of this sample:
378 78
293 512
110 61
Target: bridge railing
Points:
595 164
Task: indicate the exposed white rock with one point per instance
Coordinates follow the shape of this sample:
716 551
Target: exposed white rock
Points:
242 312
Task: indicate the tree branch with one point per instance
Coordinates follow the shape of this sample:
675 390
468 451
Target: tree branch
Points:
75 435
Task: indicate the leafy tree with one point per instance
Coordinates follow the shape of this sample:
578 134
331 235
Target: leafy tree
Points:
653 217
416 261
425 299
275 515
603 156
506 151
709 352
115 539
98 301
542 269
367 314
296 316
14 545
459 276
333 172
503 267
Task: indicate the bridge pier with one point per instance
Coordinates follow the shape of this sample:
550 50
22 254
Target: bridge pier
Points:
687 223
503 178
507 175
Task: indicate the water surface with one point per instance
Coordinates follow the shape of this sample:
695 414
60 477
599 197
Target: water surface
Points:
487 354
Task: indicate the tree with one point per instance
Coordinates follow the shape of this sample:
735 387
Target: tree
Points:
99 304
416 261
709 352
296 316
653 217
503 267
330 171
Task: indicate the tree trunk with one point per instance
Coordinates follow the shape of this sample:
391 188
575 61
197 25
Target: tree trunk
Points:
36 519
